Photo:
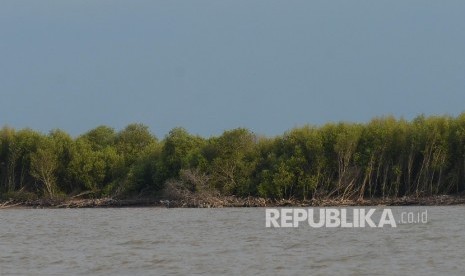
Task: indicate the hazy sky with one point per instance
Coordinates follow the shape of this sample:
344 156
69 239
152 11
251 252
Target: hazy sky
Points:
214 65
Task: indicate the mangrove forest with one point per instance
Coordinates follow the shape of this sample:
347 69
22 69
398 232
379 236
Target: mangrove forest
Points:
386 157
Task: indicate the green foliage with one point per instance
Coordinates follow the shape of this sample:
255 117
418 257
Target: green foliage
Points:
231 161
180 150
296 165
87 168
101 137
19 196
385 157
44 166
142 175
132 141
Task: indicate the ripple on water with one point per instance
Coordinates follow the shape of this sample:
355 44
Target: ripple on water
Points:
145 241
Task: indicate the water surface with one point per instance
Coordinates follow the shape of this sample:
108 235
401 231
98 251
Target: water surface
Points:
233 241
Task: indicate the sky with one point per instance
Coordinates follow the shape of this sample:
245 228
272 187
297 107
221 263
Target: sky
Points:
216 65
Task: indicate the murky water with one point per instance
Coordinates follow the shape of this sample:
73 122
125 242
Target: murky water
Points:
157 241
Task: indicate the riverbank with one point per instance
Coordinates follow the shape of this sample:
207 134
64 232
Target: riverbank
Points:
231 201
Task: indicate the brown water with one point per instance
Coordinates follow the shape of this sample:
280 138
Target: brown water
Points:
157 241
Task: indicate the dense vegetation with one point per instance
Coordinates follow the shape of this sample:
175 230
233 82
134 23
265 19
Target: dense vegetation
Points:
385 157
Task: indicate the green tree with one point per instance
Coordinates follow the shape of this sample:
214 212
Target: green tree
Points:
103 137
44 164
87 168
180 150
232 160
133 140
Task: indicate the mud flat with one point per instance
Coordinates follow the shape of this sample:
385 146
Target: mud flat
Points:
230 201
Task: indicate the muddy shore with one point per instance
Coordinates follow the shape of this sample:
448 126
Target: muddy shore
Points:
231 201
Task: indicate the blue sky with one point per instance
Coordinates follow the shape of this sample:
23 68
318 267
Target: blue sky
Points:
215 65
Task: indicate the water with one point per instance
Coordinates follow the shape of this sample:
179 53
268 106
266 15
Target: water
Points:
158 241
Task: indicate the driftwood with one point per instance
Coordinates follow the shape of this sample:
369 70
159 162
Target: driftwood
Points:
210 201
9 204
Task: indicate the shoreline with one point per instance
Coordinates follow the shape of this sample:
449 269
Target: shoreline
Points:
230 202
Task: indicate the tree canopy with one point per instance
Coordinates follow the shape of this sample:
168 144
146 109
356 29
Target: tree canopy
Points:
386 157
